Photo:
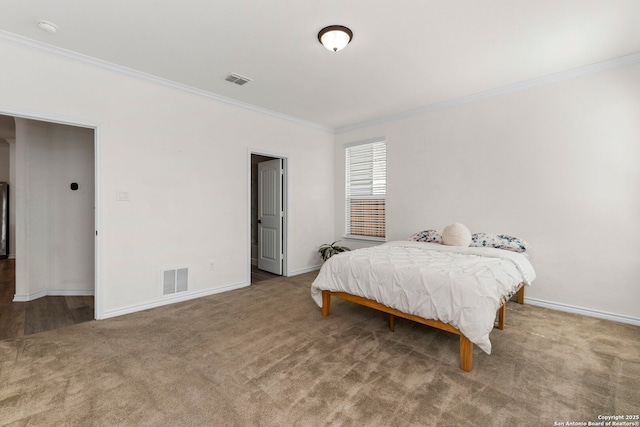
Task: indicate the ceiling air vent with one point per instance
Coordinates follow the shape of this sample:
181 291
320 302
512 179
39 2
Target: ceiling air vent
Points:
237 79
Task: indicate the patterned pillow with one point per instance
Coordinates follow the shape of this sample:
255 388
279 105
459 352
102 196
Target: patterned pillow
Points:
431 236
499 241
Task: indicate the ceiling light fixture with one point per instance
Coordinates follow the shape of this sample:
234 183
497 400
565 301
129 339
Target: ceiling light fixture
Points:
47 26
335 37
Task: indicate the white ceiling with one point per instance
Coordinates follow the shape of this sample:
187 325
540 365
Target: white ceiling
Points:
405 54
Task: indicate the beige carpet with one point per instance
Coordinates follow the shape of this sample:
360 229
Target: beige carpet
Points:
264 356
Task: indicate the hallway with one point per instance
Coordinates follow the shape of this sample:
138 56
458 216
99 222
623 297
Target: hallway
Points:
25 318
258 275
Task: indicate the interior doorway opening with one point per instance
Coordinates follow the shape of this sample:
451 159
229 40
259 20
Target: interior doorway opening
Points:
53 247
268 216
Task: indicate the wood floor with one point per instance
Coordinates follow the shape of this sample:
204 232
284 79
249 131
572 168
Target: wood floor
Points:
260 275
24 318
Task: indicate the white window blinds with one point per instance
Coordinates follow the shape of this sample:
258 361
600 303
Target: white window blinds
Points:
366 190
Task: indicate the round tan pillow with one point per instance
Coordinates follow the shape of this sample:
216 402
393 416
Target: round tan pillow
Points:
456 235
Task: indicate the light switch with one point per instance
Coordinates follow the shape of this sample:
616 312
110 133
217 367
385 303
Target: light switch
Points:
122 196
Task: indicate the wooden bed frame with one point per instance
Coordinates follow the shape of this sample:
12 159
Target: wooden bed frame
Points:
466 346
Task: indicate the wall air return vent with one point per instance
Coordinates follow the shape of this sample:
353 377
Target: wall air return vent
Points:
237 79
175 280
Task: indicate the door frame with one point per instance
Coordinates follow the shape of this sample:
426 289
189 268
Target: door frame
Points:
98 311
285 208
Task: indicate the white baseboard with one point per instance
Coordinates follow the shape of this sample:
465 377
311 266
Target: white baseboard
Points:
305 270
12 256
67 293
52 293
584 311
174 298
30 297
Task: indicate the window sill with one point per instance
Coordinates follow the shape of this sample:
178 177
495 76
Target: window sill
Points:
367 238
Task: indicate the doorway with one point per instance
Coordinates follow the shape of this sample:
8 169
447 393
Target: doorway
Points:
57 279
268 216
18 319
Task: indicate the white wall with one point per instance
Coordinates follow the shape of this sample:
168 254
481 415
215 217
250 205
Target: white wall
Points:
32 222
183 158
72 212
12 197
55 251
557 166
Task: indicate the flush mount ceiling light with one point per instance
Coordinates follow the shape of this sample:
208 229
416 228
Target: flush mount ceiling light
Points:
335 37
48 27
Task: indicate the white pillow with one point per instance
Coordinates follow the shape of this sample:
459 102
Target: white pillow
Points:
456 235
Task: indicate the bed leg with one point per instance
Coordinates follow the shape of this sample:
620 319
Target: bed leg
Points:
521 295
466 354
392 322
502 313
326 303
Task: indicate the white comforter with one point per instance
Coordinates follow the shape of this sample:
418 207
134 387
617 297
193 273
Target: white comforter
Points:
461 286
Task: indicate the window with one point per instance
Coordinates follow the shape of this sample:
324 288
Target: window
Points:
366 189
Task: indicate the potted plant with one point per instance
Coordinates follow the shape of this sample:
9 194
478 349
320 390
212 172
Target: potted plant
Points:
327 251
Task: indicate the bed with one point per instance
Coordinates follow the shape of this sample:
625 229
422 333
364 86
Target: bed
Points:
453 288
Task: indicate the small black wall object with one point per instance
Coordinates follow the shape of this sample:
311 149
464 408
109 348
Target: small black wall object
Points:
74 186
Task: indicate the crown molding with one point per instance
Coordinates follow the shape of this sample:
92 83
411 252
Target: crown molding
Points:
619 62
64 53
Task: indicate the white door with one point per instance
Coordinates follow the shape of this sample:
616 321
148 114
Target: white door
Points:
270 216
